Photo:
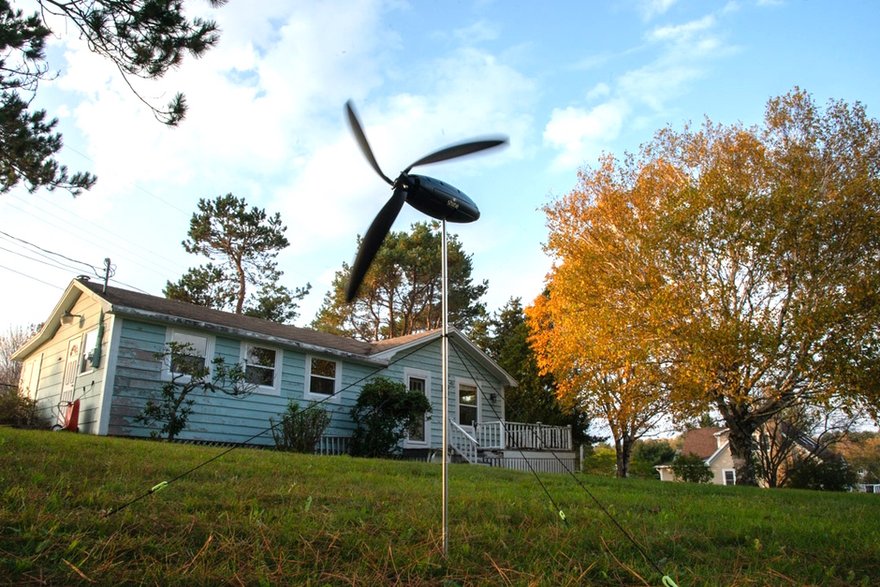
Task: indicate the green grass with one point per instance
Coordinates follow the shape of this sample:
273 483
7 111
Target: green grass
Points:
261 517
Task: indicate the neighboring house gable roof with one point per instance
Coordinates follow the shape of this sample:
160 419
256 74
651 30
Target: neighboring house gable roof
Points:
701 442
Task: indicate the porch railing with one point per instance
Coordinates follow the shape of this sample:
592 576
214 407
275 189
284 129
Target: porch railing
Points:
463 443
514 435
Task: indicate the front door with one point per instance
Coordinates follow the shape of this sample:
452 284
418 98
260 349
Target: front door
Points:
70 369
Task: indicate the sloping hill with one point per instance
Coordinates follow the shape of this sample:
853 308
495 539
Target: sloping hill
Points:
262 517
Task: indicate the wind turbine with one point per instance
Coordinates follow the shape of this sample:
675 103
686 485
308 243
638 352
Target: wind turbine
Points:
438 200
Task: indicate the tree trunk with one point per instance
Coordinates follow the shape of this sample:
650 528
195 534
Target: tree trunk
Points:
242 286
623 447
742 449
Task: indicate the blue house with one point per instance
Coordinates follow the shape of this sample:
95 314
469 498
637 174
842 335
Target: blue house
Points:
102 346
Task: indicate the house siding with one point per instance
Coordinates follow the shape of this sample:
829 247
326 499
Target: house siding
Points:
220 418
722 462
136 328
461 367
43 370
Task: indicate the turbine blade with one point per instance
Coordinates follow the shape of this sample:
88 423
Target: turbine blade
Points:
362 140
459 150
372 241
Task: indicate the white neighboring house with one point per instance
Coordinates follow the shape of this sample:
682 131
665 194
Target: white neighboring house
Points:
713 446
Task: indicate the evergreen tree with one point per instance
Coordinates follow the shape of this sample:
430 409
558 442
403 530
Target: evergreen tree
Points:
401 292
143 38
242 244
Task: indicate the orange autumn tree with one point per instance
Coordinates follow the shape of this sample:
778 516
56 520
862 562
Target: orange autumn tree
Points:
593 329
737 268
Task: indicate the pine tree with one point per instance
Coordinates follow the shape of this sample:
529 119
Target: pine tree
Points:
242 245
143 38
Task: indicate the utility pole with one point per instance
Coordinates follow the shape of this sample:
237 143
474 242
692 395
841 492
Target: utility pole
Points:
106 274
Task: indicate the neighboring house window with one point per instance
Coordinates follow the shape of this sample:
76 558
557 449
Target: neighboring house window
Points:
467 404
193 357
262 366
418 381
323 377
87 358
729 476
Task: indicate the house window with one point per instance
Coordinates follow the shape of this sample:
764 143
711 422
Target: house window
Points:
417 381
729 476
262 367
192 352
87 358
467 404
323 377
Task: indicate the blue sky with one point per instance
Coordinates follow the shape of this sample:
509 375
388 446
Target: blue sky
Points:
566 81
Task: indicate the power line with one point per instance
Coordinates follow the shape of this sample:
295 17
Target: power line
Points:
52 285
49 263
119 242
89 265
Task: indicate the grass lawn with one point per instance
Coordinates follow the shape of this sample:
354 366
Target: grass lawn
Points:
261 517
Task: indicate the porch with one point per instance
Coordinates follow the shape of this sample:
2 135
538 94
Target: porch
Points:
519 436
514 445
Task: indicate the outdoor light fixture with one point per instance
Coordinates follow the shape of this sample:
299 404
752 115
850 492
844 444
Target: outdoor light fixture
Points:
493 397
67 318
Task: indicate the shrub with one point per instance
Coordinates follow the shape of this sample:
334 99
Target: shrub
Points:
17 409
189 373
601 460
383 413
299 430
830 475
691 468
647 454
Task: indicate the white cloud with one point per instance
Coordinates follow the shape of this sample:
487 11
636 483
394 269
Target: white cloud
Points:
600 90
682 51
682 33
653 8
582 134
477 32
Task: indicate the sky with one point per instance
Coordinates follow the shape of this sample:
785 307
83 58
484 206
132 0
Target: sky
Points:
566 81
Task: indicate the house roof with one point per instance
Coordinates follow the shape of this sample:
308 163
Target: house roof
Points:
701 441
125 301
157 309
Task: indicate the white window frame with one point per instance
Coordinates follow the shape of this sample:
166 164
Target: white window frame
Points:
169 337
337 380
458 383
724 476
85 350
409 373
275 388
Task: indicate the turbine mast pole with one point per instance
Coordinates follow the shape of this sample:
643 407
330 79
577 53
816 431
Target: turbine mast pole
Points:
444 357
